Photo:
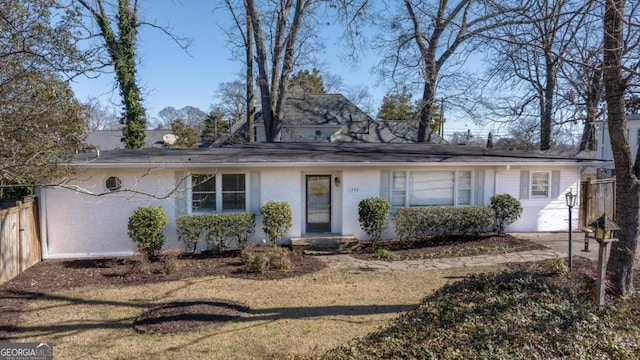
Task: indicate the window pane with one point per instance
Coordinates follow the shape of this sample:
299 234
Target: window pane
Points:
233 201
202 182
203 202
203 193
399 189
464 188
232 182
540 184
434 188
233 192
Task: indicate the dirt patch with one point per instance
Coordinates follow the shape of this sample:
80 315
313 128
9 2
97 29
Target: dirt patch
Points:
189 315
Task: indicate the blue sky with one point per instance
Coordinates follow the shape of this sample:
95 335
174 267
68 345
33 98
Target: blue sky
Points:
171 77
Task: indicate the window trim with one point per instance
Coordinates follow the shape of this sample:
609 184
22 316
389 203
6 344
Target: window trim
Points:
549 179
219 193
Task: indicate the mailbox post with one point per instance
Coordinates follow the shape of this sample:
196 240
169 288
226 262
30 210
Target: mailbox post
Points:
603 228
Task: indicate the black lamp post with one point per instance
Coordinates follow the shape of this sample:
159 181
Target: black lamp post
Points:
571 201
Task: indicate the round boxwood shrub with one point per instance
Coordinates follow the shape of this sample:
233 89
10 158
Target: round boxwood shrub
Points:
372 215
507 209
277 219
145 229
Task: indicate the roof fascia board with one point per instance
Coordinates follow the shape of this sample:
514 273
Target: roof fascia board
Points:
542 162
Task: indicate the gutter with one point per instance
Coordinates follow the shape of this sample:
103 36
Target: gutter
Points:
172 165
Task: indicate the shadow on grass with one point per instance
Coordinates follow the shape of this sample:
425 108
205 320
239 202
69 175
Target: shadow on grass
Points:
254 316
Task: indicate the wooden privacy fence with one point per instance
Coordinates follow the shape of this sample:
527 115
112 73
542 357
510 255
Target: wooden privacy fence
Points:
19 239
596 197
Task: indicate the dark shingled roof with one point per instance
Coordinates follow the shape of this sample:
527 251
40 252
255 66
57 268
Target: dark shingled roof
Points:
321 109
334 111
317 154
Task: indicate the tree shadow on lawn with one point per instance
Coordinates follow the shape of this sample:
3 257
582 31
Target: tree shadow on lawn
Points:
198 320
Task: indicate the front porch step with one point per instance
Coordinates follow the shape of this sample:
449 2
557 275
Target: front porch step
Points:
325 244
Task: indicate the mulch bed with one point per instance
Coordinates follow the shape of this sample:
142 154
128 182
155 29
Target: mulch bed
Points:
188 315
50 276
54 275
449 246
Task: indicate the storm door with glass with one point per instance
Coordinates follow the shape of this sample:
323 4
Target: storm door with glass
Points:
318 196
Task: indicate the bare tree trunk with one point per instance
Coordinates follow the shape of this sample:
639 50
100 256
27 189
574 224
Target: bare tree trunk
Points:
627 184
546 122
251 109
425 111
588 141
263 74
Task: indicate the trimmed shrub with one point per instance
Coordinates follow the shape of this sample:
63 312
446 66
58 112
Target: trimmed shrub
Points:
259 261
145 229
277 219
422 223
218 230
507 210
373 214
239 227
190 230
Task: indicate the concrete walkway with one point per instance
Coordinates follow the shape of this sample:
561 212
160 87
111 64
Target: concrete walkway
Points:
557 246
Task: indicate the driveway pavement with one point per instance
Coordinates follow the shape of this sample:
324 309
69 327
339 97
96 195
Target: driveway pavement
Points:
559 241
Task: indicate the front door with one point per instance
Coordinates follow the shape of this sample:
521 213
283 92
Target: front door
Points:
318 203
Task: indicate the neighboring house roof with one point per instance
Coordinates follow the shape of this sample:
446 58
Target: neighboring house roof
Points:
321 109
386 131
110 139
321 154
344 120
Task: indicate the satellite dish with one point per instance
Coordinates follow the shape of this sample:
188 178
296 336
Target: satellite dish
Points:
169 139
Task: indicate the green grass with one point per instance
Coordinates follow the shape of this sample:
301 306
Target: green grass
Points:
386 254
507 315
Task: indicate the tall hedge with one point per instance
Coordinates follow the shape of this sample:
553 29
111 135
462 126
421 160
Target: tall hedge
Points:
218 230
421 223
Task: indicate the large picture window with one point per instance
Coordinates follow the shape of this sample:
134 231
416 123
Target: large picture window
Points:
212 193
431 188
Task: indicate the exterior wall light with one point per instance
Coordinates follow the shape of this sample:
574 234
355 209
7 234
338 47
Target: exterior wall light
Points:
336 180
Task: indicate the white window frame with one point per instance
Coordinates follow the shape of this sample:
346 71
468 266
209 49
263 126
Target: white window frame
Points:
219 193
408 188
458 188
531 184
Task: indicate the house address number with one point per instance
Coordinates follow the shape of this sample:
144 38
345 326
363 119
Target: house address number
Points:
353 189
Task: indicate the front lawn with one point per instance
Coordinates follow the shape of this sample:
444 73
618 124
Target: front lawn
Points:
301 315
